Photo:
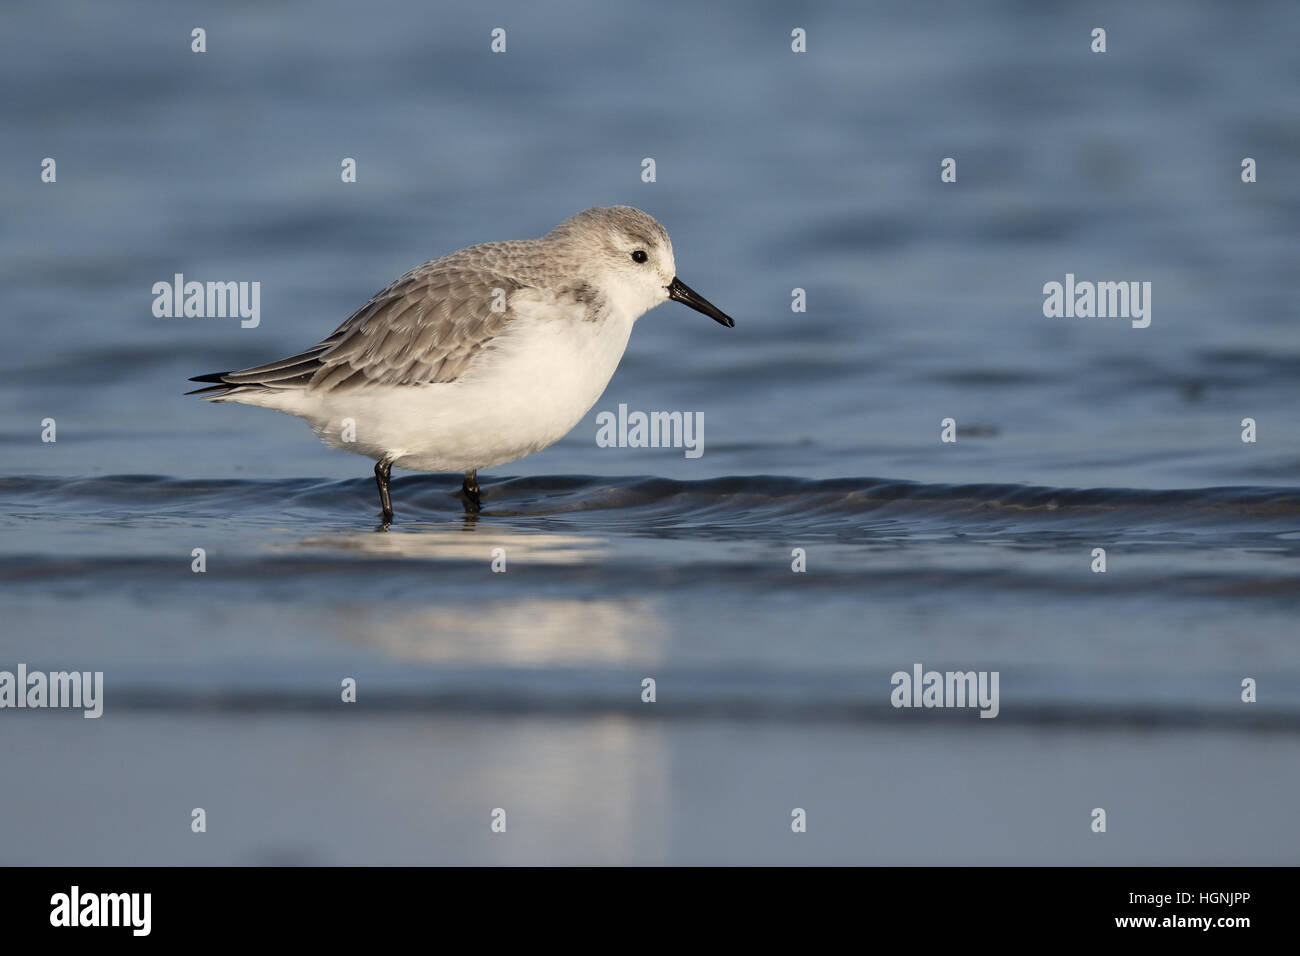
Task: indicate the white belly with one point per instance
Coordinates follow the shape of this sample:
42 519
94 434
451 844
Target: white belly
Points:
528 392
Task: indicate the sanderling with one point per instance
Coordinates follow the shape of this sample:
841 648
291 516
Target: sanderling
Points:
481 357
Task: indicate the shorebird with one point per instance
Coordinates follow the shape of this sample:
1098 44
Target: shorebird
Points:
480 357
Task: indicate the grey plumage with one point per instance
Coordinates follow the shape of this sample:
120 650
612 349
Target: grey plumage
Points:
430 325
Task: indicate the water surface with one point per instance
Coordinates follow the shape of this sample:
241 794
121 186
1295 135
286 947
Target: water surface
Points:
775 171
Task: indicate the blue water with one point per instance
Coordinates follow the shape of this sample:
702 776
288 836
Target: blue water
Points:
775 171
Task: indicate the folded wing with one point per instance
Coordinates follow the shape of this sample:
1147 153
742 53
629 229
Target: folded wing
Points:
427 327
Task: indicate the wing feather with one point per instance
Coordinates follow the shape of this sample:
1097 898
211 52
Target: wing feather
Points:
426 327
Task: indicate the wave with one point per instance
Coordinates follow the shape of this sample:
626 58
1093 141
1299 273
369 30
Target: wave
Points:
805 502
609 566
1026 699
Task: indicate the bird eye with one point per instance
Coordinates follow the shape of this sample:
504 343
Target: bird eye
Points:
639 256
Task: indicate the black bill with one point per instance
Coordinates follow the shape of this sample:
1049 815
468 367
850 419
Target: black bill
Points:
679 291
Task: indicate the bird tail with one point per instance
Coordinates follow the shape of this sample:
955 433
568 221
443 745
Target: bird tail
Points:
223 389
294 372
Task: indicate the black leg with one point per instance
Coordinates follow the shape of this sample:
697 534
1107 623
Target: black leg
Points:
382 472
470 490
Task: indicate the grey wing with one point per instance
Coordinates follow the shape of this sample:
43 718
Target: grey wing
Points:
426 327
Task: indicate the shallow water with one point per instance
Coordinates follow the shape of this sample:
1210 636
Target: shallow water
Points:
775 172
606 577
